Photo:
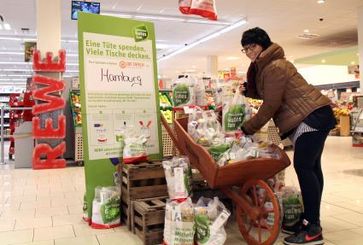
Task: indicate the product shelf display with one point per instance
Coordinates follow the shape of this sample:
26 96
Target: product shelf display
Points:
4 101
166 109
15 117
75 102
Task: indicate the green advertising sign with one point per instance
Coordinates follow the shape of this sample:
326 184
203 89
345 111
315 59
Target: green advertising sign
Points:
118 80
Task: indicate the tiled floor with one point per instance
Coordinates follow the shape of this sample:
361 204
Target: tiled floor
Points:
45 207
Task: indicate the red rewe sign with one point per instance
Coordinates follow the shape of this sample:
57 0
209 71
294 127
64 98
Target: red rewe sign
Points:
48 100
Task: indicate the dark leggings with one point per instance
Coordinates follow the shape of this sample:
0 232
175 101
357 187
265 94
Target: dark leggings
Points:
307 162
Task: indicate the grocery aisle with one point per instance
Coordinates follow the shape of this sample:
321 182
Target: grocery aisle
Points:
45 207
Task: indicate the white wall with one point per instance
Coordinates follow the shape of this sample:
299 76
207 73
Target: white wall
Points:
326 74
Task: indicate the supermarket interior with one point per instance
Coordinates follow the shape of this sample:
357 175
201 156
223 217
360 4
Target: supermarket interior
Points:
141 122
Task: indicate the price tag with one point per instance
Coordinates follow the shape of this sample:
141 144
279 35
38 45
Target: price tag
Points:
188 110
220 220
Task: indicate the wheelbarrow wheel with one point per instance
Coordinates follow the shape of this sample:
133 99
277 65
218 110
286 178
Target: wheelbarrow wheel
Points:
263 226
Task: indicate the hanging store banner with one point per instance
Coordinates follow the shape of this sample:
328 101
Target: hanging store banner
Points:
119 90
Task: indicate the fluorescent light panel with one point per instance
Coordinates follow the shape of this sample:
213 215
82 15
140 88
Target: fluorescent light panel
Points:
12 80
173 18
7 26
15 75
32 39
203 39
31 70
22 53
28 63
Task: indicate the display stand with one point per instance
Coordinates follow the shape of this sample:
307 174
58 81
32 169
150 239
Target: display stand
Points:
344 125
166 109
25 142
75 103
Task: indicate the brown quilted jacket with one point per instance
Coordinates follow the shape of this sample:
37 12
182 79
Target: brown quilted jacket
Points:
287 97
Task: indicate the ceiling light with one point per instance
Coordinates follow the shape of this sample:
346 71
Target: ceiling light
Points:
14 63
30 70
306 30
22 53
12 53
13 39
352 63
162 18
15 75
13 80
19 70
3 24
139 8
7 26
320 1
28 63
309 35
159 17
203 39
32 38
323 61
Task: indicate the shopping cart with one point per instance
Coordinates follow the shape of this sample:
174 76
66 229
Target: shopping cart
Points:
257 207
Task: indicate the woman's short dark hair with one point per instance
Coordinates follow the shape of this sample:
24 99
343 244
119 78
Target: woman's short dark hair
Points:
257 36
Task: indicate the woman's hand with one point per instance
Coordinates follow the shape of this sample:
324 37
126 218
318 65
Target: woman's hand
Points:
242 88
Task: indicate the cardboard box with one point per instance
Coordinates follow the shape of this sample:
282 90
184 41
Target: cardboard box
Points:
344 125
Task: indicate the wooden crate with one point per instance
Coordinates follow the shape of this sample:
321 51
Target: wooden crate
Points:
147 220
143 180
125 213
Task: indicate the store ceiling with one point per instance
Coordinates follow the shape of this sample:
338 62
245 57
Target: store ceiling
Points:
284 20
345 56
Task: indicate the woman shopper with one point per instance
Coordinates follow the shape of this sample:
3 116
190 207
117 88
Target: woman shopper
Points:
300 112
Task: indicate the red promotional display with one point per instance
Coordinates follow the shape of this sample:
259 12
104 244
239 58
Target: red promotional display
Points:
184 6
49 103
204 8
52 154
53 102
49 65
48 132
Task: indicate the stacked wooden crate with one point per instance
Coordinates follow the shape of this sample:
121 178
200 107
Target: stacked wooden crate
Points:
147 219
139 181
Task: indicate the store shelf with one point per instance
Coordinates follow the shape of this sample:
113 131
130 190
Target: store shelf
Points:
75 102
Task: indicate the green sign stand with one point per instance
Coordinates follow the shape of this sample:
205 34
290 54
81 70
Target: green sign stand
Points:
118 81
